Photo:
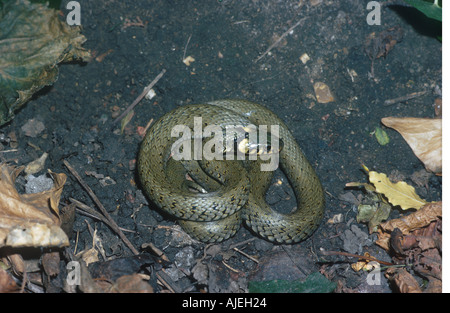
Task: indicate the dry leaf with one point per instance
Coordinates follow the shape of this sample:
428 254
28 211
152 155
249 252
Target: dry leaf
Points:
379 45
399 193
133 283
7 283
188 60
37 165
323 93
30 219
421 218
34 39
423 135
405 282
363 263
373 214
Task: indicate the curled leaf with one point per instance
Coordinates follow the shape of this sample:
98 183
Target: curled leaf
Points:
30 220
421 218
423 135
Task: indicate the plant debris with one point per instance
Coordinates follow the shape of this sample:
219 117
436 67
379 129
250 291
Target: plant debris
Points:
379 45
416 242
33 40
423 135
30 220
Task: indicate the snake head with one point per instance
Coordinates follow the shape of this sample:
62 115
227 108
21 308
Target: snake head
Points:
252 140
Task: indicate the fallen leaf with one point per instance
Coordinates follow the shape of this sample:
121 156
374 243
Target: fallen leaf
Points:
37 165
30 220
382 136
188 60
7 283
126 120
400 193
33 40
379 45
406 224
131 284
405 282
323 93
423 135
373 214
363 263
50 262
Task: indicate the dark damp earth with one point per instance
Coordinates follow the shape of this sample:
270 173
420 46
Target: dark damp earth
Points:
228 43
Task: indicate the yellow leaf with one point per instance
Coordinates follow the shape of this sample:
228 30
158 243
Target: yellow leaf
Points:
399 193
362 263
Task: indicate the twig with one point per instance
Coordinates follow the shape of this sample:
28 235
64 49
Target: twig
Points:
232 269
242 243
11 150
279 39
165 279
139 98
185 48
247 255
355 256
405 98
101 207
87 210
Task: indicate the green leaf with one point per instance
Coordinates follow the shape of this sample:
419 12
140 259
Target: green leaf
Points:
373 214
314 283
33 40
432 10
382 136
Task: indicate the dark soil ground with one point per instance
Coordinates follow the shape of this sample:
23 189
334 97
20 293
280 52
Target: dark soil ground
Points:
134 41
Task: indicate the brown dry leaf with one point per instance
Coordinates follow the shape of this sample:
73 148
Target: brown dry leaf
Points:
423 135
379 45
405 282
50 262
421 218
434 286
323 93
133 283
7 283
30 220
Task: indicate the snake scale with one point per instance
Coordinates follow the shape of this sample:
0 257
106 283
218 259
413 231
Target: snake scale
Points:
218 214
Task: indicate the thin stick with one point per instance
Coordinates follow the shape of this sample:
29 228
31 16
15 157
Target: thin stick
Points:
139 98
405 98
279 39
247 255
87 210
101 207
355 256
185 48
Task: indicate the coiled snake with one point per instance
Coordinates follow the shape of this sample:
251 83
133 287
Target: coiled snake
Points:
237 188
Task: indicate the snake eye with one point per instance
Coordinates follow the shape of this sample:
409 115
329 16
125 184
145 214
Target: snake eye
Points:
243 146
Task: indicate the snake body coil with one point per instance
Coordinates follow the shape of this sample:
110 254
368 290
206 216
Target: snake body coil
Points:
216 215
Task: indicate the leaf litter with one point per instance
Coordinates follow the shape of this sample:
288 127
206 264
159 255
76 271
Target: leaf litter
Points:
414 240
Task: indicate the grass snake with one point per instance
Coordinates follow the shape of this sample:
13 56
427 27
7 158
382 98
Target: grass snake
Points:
237 192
